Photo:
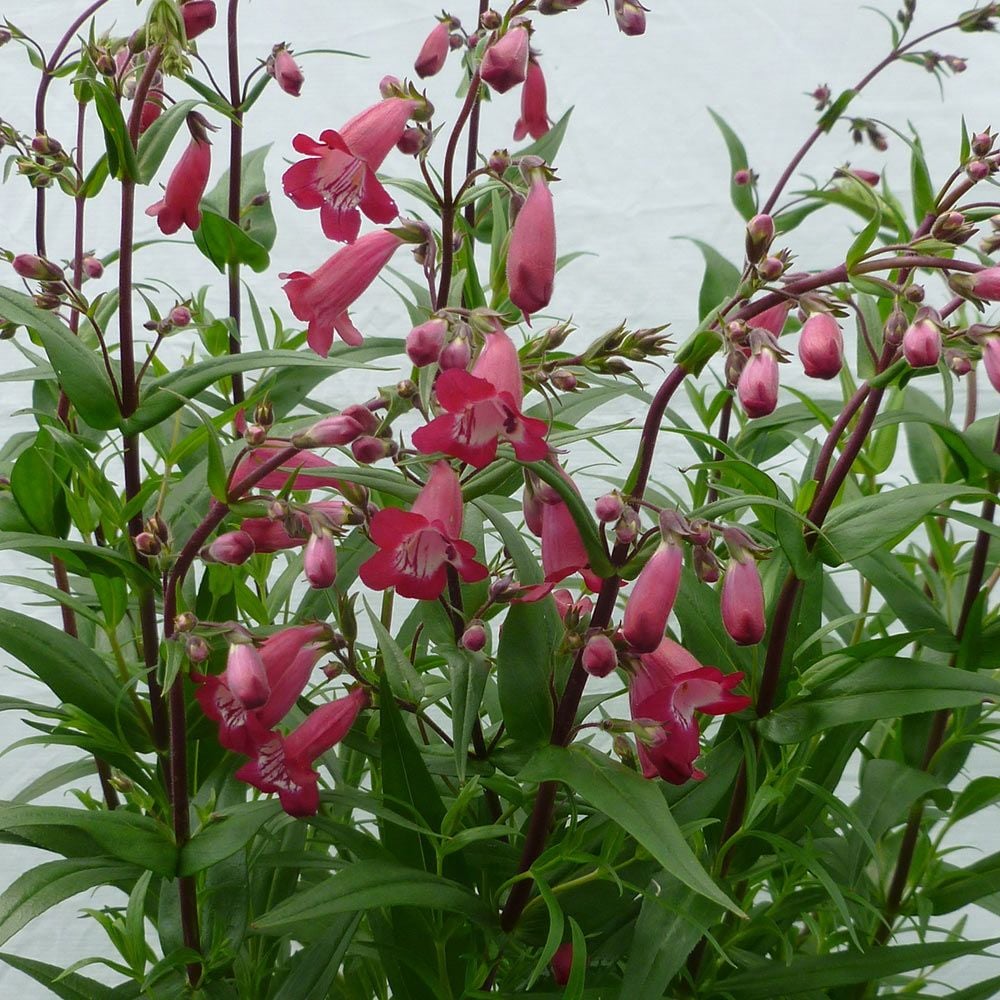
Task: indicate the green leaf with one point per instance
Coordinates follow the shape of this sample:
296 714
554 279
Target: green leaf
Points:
256 221
68 986
833 113
469 673
810 973
226 832
223 243
879 689
37 482
964 885
524 671
720 281
866 237
87 560
155 141
920 181
73 672
635 804
49 883
121 155
313 970
364 885
741 196
404 681
81 373
881 521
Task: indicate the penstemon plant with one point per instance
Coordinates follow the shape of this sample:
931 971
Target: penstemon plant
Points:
379 699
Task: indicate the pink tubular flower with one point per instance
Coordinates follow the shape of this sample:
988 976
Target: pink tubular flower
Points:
286 71
283 764
337 429
986 284
483 407
339 176
198 16
179 205
531 258
757 387
288 659
821 347
534 120
320 560
246 676
991 361
433 53
306 468
743 602
922 344
417 545
151 110
505 64
322 298
652 598
668 688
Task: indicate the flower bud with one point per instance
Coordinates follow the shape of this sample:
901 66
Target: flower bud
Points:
414 140
771 268
986 284
760 233
180 316
196 649
490 20
869 177
499 161
706 564
895 327
433 53
981 143
457 353
599 657
320 560
286 71
991 360
631 17
185 622
31 266
368 449
978 170
232 549
922 344
757 387
425 342
742 177
159 527
958 362
821 347
562 963
652 597
45 145
332 431
609 507
147 544
743 602
474 636
198 16
505 63
255 435
246 676
564 380
92 267
628 526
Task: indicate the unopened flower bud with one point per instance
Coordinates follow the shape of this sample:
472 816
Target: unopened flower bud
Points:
92 267
771 268
414 140
991 360
760 233
630 17
474 636
198 17
757 387
922 344
246 675
505 63
981 143
433 53
320 560
255 435
743 602
985 284
180 316
185 622
425 342
627 528
159 527
5 36
363 415
599 657
263 414
196 649
821 347
457 353
978 170
914 293
332 431
742 177
390 86
501 586
958 362
895 327
706 564
286 71
564 380
609 507
147 544
490 20
368 449
356 494
45 145
33 267
232 549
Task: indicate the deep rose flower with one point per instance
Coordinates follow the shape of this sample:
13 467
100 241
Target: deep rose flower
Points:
483 407
288 658
322 298
232 548
434 51
773 319
534 120
668 688
821 347
186 185
652 598
505 63
531 257
283 764
743 602
757 387
599 657
339 176
320 560
417 545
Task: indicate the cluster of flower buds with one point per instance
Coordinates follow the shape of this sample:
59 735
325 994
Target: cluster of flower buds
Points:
951 227
610 353
935 62
863 128
287 73
154 539
42 159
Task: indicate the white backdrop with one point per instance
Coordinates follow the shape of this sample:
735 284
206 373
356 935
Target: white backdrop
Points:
642 165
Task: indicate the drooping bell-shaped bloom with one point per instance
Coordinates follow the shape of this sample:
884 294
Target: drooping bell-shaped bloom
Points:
246 676
307 471
320 560
985 284
531 257
417 546
922 344
288 659
505 63
283 764
631 17
433 53
991 360
773 319
186 185
322 298
198 17
652 598
599 657
668 688
757 387
232 548
821 347
534 120
286 71
339 178
743 602
483 407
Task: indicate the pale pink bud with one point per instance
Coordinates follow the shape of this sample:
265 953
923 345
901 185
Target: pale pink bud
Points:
180 316
390 86
457 353
564 380
922 344
33 267
368 449
981 143
599 657
652 598
505 64
92 267
743 603
991 361
329 432
609 507
425 342
757 387
978 170
631 17
474 636
320 560
531 259
986 284
286 71
821 347
760 233
413 140
147 544
434 51
233 548
246 676
562 963
958 362
199 16
742 177
627 528
196 649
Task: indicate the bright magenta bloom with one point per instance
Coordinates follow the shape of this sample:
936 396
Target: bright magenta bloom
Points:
534 120
322 298
179 205
288 659
339 176
652 598
757 387
669 687
283 764
434 51
743 602
417 545
531 258
821 347
922 344
505 64
483 407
